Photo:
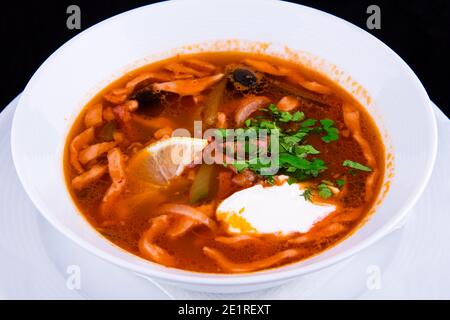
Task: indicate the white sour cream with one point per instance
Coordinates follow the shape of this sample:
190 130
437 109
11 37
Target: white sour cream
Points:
275 209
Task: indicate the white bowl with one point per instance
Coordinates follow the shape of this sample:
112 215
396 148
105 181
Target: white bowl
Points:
85 64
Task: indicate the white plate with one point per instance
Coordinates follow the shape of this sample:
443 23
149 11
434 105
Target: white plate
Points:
35 257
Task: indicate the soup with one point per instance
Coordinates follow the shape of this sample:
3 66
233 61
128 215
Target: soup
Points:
224 162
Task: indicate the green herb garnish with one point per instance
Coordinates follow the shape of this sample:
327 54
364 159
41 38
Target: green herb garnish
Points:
270 180
240 166
324 191
307 194
332 133
308 123
295 157
304 150
340 183
284 116
356 165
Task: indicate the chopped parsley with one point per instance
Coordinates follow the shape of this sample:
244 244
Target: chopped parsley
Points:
270 180
296 158
284 116
324 191
240 166
340 183
307 194
308 123
356 165
332 133
304 150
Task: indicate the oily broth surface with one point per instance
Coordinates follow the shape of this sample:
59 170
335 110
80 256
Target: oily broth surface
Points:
188 249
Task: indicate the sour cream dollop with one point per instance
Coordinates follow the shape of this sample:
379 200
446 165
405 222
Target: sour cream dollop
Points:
276 209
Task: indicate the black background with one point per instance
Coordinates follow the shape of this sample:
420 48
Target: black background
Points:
417 30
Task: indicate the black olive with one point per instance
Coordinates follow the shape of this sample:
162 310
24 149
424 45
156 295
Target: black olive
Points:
245 77
150 102
146 97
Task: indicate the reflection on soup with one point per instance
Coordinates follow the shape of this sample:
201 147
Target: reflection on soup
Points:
224 162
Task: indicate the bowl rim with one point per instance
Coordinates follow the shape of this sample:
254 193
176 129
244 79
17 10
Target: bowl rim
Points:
245 278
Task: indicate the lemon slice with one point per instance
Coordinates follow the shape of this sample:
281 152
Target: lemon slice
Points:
163 160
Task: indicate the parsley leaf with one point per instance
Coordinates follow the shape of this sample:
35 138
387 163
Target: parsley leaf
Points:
304 150
270 180
284 116
340 183
308 123
332 133
292 129
307 194
298 116
291 180
324 191
240 166
356 165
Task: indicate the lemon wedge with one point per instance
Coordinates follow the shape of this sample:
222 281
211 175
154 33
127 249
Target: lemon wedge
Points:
163 160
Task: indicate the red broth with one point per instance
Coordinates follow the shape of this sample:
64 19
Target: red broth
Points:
130 114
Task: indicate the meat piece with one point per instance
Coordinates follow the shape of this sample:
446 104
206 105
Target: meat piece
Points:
230 266
245 179
152 251
247 106
94 116
290 74
131 105
119 96
146 77
221 120
225 187
304 95
201 65
240 240
116 169
288 103
94 151
108 114
122 113
304 238
118 137
188 211
85 179
115 99
79 142
165 132
182 226
190 87
266 67
181 68
332 230
352 121
310 85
